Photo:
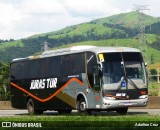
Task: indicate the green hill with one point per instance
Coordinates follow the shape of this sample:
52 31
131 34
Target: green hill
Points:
127 19
116 30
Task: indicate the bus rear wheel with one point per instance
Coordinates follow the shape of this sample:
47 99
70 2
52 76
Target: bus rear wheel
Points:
31 108
122 111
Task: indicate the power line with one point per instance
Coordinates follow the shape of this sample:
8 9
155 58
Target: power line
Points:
45 46
141 26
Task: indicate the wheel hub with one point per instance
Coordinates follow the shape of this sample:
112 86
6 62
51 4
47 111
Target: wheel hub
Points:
83 106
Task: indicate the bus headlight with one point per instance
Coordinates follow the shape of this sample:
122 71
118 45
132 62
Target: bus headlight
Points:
143 96
110 98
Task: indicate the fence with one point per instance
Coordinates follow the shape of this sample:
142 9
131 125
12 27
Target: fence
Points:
154 80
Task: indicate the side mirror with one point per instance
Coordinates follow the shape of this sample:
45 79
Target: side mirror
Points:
145 64
98 69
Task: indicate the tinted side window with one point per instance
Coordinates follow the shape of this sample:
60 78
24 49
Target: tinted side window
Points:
33 68
23 70
14 70
42 68
45 67
66 65
18 70
78 63
54 66
73 64
49 67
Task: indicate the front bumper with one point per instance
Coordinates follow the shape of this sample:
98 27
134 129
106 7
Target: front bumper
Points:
111 104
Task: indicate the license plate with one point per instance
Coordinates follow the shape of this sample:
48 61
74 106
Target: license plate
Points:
126 104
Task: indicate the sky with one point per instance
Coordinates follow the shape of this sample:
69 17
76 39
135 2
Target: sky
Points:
24 18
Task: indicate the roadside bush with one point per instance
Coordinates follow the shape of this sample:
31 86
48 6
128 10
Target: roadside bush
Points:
4 82
153 89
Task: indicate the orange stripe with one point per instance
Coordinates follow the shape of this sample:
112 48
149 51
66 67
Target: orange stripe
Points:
53 95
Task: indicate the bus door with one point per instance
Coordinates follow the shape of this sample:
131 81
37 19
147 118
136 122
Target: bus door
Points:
93 80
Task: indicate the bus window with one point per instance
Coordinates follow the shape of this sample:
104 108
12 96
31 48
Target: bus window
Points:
14 72
66 65
23 70
54 66
120 66
33 68
72 64
18 70
78 62
43 67
112 68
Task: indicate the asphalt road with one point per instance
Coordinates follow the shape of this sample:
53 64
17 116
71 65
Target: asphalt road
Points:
130 112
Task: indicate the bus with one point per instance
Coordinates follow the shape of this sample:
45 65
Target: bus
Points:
82 78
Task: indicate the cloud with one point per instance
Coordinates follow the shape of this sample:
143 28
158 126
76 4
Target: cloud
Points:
28 17
42 7
89 8
23 18
9 16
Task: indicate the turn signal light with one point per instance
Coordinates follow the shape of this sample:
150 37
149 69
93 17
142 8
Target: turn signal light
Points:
143 92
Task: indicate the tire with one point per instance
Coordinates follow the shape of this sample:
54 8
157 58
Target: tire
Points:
65 111
31 108
81 107
122 111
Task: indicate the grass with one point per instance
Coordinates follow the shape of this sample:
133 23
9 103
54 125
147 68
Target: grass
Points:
70 117
77 121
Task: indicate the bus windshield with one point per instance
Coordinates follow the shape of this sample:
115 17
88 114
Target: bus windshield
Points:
127 67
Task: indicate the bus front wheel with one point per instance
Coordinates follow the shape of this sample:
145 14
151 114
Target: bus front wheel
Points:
82 107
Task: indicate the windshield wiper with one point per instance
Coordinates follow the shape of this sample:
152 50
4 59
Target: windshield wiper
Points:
133 84
125 75
126 79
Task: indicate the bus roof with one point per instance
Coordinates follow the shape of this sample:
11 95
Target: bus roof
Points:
78 49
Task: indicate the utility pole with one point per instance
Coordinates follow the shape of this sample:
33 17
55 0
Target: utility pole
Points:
45 46
141 26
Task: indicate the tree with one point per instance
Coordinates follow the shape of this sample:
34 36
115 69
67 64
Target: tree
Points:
4 81
153 72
